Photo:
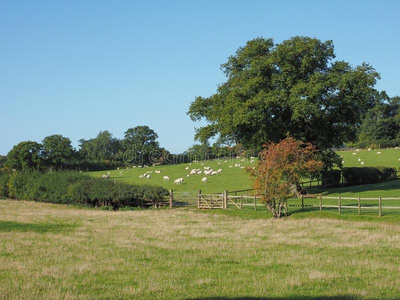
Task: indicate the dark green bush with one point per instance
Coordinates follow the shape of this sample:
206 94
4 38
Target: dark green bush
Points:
367 175
74 187
4 177
331 178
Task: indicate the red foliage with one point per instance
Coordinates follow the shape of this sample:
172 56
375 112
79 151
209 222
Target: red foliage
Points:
280 169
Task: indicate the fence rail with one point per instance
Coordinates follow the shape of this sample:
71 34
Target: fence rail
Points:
225 200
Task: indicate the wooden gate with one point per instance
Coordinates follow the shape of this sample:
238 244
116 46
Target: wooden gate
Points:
210 201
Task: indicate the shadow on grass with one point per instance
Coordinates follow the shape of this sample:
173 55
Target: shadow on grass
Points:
356 189
340 297
10 226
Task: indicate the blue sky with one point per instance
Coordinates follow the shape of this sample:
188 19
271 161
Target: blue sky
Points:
77 67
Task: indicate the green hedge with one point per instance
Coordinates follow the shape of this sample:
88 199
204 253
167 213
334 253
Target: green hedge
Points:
73 187
378 144
331 178
367 175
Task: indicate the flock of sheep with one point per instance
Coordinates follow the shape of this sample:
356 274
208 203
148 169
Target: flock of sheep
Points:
208 171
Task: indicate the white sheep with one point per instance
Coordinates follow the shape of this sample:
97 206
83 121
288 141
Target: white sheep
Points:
378 152
359 159
158 172
148 176
354 153
362 163
105 176
357 150
166 178
230 167
187 168
120 173
178 181
204 179
369 149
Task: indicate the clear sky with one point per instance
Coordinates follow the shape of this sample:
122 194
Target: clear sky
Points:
77 67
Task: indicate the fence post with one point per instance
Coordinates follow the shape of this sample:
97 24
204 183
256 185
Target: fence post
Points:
241 202
255 202
287 206
302 202
198 199
359 205
171 198
225 200
339 204
320 202
380 206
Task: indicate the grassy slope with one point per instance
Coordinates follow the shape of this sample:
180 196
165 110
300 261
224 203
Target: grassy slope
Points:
231 179
237 179
61 252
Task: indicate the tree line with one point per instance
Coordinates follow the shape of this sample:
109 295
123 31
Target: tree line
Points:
138 147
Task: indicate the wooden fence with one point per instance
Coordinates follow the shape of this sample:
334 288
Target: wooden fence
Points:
226 200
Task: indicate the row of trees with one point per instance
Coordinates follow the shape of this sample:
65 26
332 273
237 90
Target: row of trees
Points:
138 147
57 152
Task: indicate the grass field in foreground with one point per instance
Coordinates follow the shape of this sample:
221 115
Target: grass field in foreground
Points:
61 252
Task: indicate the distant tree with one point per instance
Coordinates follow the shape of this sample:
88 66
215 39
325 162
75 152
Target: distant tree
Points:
200 152
25 156
382 121
103 148
280 169
142 142
294 88
57 151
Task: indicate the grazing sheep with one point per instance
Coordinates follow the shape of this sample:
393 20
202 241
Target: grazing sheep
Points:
362 162
342 161
108 173
148 176
378 152
166 178
141 176
198 172
187 175
369 149
204 179
120 173
230 167
214 173
105 176
357 150
359 159
396 148
158 172
354 153
187 168
118 168
178 181
242 167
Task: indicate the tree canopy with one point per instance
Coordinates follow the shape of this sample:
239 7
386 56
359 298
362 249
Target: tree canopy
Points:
295 88
25 156
57 151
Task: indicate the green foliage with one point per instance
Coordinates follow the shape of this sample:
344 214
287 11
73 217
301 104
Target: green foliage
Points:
100 149
141 142
25 156
294 88
331 178
57 151
73 187
368 175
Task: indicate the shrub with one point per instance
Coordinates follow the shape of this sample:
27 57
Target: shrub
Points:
367 175
73 187
331 178
4 177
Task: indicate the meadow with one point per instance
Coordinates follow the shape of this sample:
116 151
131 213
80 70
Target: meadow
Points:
236 178
51 251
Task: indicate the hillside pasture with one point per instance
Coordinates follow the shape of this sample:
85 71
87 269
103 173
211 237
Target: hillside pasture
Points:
231 178
55 252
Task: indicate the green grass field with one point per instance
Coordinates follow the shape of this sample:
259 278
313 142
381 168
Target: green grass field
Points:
55 252
235 178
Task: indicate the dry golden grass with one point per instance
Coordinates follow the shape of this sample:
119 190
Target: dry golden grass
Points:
59 252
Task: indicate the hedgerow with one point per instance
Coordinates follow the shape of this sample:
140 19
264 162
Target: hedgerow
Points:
69 187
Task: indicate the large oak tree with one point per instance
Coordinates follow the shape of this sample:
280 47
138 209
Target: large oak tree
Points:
295 88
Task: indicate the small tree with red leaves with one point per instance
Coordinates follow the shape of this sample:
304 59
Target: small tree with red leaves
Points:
280 169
